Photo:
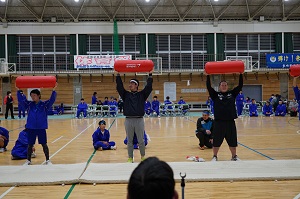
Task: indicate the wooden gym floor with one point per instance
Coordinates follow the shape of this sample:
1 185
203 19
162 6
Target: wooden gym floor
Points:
172 139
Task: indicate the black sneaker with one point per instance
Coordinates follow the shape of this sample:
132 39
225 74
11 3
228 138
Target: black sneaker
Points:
235 158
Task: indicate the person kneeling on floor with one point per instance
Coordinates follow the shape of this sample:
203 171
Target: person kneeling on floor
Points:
19 151
204 130
101 138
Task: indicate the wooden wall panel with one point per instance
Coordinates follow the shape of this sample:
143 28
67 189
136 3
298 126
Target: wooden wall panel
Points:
105 86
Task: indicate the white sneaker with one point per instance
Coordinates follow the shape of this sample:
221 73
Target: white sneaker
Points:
33 155
48 162
1 150
235 158
113 147
27 163
214 159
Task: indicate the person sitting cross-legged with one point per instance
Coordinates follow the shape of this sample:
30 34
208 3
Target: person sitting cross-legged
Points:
101 138
253 109
280 109
267 109
204 130
135 140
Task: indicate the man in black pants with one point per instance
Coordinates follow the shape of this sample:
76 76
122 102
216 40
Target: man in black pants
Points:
225 113
8 101
134 101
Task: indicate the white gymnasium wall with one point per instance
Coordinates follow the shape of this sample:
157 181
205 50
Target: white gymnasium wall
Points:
151 27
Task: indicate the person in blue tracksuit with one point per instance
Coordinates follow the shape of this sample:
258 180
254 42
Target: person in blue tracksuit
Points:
253 109
155 106
280 109
19 151
204 131
181 101
94 98
4 139
21 108
210 104
135 141
113 106
37 121
168 105
59 110
267 109
82 107
101 138
296 92
147 107
239 101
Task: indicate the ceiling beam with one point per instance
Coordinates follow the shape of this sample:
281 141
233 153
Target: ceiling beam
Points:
292 11
118 7
140 10
80 10
104 9
44 7
189 9
225 9
283 12
31 10
151 12
248 10
260 9
212 9
67 9
180 18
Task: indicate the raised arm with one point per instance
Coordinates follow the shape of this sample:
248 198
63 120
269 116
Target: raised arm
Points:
295 81
148 88
211 91
120 88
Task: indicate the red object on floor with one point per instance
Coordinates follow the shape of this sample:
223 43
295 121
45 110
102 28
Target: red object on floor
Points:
224 67
295 70
132 66
36 82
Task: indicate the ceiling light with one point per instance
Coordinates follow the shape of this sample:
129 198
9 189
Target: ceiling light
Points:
2 0
147 0
76 0
216 0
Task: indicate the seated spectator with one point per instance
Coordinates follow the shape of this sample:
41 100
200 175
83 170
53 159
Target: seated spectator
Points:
210 104
60 109
181 101
121 105
247 100
82 107
101 138
135 140
204 130
155 106
147 108
253 109
113 106
19 151
152 178
168 105
280 109
4 139
293 107
267 109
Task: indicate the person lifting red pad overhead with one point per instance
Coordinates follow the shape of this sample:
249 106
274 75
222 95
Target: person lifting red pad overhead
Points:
224 67
133 66
36 82
295 70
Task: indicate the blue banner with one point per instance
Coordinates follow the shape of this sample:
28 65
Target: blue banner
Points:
282 60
